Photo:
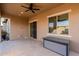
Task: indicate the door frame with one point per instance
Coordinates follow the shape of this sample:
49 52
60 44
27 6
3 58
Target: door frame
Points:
31 21
9 26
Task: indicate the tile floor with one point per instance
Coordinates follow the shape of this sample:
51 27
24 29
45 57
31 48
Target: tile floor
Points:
26 48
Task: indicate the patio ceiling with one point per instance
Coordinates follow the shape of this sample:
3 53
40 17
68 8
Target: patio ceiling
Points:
17 10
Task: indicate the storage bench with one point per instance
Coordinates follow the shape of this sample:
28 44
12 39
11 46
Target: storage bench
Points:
58 45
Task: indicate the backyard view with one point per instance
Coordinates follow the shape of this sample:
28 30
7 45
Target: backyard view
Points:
59 24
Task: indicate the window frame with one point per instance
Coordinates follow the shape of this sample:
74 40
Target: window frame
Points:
58 14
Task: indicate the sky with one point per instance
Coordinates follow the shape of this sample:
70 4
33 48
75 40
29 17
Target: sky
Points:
63 23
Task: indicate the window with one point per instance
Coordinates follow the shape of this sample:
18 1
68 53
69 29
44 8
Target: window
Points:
59 24
52 24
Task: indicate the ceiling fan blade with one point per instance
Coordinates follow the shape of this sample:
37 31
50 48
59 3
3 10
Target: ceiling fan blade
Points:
24 6
30 8
26 10
36 9
32 11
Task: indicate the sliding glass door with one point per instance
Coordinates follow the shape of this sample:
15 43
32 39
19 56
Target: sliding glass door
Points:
33 29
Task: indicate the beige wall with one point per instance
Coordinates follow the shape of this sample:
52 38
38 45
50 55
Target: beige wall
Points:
0 10
0 26
42 23
18 27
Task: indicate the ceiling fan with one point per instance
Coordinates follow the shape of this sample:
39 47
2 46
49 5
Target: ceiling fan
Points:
30 8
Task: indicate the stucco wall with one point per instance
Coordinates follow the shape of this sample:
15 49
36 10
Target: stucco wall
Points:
42 23
18 27
0 26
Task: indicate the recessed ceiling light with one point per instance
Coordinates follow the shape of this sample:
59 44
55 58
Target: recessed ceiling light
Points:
21 12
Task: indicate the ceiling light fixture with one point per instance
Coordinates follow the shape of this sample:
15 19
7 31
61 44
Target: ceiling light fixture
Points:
21 12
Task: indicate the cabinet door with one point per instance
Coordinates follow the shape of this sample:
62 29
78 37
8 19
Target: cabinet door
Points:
56 47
